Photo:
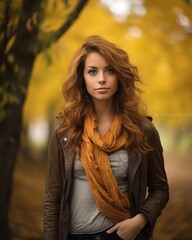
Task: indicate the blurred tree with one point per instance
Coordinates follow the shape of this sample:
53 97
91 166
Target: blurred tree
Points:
189 1
23 36
164 28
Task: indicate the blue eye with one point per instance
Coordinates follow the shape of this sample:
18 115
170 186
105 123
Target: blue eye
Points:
92 72
110 71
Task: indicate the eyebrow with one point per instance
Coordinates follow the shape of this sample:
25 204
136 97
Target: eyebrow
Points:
108 66
91 67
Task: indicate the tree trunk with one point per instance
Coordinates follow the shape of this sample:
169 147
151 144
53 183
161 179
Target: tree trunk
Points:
18 63
10 134
11 128
15 83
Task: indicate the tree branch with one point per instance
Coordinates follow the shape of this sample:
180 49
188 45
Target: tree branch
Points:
51 37
4 24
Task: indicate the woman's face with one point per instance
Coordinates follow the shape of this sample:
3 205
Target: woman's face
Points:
100 78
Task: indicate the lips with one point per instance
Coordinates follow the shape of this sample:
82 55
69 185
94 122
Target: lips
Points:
102 89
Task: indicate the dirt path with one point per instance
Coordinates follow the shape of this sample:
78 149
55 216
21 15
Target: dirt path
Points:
176 220
26 214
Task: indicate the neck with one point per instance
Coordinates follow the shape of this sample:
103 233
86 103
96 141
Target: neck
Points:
104 111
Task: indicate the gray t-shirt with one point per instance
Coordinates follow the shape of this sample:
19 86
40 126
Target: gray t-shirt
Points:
85 215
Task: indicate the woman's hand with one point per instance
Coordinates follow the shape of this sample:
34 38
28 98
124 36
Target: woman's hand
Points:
129 228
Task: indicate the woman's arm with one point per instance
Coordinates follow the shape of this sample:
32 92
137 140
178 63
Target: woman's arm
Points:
158 189
158 194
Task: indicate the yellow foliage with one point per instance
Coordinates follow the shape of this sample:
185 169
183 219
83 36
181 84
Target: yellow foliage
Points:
162 53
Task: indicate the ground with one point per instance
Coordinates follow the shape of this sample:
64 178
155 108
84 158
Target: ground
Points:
175 223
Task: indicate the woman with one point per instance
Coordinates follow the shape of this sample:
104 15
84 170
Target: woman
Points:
104 154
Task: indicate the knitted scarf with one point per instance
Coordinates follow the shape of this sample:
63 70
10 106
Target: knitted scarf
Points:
93 154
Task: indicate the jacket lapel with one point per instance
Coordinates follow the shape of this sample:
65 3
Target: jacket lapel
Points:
134 162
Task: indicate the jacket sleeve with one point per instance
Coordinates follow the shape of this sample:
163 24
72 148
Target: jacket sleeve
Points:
158 189
53 189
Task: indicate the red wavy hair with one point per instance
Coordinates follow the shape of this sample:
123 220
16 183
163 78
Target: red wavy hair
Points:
127 100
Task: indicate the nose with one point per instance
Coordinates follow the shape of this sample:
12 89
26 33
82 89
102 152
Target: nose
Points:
102 81
101 78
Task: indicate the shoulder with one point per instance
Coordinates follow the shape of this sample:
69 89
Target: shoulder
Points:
57 129
151 133
149 129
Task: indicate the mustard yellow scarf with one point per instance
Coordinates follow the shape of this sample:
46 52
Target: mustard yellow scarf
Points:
94 148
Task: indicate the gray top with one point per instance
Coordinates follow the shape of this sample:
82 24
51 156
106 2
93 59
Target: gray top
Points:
85 215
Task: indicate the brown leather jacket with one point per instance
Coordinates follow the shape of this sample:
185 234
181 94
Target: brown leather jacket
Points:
145 172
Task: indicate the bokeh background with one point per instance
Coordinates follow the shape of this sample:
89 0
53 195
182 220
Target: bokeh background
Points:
158 38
